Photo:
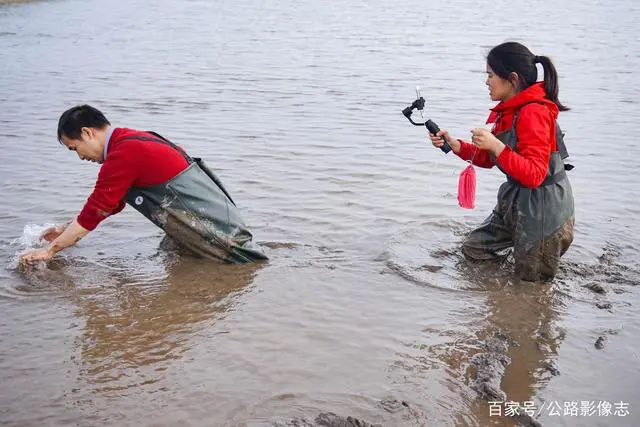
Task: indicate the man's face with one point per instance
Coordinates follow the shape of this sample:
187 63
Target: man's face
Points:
87 147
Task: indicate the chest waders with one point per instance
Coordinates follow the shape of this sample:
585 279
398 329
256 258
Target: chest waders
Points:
195 210
537 223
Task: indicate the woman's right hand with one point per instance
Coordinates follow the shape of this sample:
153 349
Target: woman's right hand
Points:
437 140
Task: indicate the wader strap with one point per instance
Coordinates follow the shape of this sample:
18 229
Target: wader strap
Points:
562 148
560 143
515 116
550 180
161 140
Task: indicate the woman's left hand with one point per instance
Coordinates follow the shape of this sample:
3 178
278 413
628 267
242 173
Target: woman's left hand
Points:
485 140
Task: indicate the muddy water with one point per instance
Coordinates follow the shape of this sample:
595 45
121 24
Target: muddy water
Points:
366 309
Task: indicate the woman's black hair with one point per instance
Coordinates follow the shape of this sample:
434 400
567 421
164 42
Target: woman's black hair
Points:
513 57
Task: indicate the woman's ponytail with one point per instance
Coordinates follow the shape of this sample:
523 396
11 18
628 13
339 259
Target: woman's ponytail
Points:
550 80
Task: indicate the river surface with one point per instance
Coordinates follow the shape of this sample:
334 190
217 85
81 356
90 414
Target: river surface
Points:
365 309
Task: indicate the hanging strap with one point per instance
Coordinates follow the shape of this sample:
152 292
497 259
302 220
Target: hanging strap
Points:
562 148
162 140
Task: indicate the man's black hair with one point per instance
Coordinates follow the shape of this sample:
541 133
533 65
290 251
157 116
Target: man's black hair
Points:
74 119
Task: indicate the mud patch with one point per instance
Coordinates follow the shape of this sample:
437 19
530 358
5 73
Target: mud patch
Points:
326 419
604 305
608 268
295 422
204 239
279 245
612 272
595 287
602 340
393 405
551 367
490 367
331 419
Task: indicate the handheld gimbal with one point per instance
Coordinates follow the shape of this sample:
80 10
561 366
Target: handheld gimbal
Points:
433 128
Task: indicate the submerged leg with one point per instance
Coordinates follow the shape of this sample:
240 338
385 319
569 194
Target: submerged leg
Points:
491 237
540 263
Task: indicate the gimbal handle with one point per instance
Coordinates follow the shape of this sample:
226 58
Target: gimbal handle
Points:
433 128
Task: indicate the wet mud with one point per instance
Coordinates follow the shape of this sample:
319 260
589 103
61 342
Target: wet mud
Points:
505 343
206 239
331 419
490 367
522 337
607 273
604 305
328 419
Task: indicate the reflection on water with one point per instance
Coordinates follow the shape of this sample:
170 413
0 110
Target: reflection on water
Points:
501 348
133 333
521 324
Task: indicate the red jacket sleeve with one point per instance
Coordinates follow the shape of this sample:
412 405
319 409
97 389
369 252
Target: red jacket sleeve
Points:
120 207
536 138
480 157
116 176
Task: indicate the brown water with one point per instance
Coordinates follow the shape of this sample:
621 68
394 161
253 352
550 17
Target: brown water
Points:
365 302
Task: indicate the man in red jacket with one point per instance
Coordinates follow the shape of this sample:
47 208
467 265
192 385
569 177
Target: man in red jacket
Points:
158 179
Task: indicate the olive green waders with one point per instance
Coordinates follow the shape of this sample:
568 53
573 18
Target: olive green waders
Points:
195 210
537 223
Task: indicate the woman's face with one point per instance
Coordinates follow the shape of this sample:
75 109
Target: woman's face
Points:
499 88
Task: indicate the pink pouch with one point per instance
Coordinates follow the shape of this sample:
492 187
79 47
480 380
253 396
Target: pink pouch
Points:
467 188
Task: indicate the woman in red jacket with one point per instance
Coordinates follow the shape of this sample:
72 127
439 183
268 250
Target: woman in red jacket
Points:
535 211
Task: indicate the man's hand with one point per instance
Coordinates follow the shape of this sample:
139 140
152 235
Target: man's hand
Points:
52 233
70 235
32 257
